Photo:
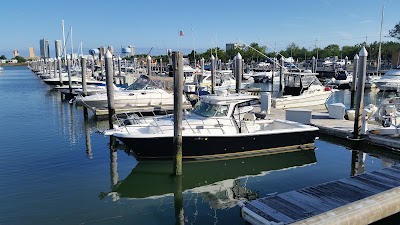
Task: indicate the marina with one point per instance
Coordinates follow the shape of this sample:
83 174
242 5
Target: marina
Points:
74 142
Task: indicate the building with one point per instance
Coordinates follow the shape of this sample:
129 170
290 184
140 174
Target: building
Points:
231 46
15 53
44 49
31 52
58 48
132 53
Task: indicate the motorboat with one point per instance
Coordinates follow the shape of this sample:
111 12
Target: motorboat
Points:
143 92
342 79
390 81
221 126
302 89
263 76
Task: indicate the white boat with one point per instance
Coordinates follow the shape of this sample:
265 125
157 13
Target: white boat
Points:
301 90
262 77
390 81
342 79
143 92
219 127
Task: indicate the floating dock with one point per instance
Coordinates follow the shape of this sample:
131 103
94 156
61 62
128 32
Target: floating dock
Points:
361 199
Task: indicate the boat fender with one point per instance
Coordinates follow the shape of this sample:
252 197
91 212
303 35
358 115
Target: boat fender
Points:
327 88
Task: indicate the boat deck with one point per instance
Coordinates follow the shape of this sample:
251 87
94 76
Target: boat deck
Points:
300 204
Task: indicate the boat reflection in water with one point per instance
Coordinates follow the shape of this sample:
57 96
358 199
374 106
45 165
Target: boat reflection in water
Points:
220 183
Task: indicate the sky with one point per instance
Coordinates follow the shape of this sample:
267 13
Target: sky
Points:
206 24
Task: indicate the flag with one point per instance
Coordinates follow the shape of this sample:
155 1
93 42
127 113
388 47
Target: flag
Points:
181 33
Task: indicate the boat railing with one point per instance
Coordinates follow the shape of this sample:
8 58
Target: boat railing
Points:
389 115
209 124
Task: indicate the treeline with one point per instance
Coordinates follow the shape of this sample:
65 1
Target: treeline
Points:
257 53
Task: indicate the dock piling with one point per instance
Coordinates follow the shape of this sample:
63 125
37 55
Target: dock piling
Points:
360 93
177 65
60 70
282 62
109 86
238 71
148 65
314 64
354 83
212 59
346 60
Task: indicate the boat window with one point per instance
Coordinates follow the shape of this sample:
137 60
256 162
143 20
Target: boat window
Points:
139 84
209 110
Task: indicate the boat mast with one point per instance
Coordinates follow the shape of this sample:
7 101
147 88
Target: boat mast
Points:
380 45
63 33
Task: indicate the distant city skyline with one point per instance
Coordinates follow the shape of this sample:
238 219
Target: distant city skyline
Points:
206 24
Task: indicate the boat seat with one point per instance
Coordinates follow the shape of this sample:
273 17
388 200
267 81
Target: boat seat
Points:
249 117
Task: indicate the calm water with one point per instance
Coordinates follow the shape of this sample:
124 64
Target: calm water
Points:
55 168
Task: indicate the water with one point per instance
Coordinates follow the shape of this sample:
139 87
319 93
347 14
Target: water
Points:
55 169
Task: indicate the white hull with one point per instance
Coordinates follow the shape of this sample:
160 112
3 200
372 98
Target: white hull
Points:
316 98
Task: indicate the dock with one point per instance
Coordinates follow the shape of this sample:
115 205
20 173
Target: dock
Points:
361 199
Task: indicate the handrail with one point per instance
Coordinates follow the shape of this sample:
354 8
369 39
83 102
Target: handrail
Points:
387 116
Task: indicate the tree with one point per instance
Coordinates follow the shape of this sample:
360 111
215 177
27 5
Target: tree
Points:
395 32
20 59
3 57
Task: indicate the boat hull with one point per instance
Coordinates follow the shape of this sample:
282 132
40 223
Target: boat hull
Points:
217 147
301 101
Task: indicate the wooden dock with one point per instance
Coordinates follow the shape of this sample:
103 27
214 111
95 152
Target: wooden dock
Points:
321 203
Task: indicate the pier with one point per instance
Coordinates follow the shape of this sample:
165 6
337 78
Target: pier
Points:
345 201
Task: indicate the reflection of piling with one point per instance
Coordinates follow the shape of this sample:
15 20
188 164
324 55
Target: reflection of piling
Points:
178 201
113 167
110 89
354 82
360 93
238 71
177 65
212 59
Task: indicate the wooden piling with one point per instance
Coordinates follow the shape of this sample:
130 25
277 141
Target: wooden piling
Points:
346 60
149 65
212 59
354 83
60 70
238 71
109 85
177 65
314 65
360 93
282 62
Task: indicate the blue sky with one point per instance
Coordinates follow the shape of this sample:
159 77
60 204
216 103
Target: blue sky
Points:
206 23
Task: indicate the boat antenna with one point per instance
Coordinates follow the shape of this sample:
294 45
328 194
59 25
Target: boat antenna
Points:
380 45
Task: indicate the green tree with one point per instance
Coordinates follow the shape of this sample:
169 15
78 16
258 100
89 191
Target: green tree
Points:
395 32
3 57
20 59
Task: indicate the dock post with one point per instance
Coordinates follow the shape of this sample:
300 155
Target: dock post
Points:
313 64
360 93
69 73
55 68
212 59
178 201
83 72
60 70
119 66
282 62
202 66
148 65
109 86
346 60
177 65
238 71
161 67
273 73
354 83
92 65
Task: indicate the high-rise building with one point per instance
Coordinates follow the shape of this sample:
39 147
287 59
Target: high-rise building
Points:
15 53
44 49
132 53
31 52
58 48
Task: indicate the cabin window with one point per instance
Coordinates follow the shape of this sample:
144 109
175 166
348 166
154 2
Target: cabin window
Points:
210 110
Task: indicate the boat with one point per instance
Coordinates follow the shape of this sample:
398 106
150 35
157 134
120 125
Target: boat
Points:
262 77
302 89
390 81
141 93
342 79
221 126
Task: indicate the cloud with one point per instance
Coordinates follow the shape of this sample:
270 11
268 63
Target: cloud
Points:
367 21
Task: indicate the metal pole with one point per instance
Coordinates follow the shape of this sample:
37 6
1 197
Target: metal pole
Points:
202 66
238 71
273 73
69 74
346 60
119 66
92 66
360 93
109 84
177 65
83 70
212 74
282 62
354 83
148 65
161 66
55 68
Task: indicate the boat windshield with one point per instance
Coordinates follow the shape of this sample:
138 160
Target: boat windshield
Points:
140 83
211 110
